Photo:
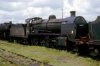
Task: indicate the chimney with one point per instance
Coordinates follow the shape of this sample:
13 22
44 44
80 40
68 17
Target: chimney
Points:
73 13
98 19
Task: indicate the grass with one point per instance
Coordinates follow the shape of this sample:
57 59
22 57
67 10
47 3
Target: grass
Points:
50 56
4 62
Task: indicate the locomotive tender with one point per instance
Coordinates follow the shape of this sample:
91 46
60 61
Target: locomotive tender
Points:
67 33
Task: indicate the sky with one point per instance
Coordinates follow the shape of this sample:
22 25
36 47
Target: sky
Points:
89 9
19 10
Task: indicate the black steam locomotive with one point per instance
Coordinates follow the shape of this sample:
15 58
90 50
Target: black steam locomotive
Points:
67 33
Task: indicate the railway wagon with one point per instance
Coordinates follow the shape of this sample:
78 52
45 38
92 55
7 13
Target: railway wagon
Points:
94 31
4 30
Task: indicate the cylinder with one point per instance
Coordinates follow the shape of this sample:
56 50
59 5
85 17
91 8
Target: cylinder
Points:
73 13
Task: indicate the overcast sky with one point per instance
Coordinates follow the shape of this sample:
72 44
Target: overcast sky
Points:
18 10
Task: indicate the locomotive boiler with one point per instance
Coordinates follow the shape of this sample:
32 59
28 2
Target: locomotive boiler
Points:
51 25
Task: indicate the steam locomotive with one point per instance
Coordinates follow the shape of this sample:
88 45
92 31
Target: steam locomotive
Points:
67 33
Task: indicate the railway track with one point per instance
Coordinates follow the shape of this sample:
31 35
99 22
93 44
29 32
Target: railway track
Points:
20 60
